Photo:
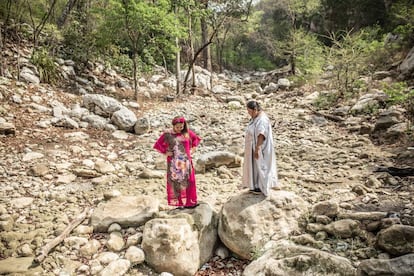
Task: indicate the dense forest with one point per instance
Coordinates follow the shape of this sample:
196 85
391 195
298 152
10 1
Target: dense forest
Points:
302 37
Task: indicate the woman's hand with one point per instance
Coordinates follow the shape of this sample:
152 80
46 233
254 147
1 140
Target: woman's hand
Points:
192 150
256 153
169 153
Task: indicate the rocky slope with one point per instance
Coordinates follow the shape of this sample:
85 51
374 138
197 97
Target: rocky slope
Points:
50 172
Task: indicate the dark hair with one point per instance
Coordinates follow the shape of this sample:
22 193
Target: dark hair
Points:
254 105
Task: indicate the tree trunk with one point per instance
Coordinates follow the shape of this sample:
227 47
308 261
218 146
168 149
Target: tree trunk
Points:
177 67
177 62
2 61
206 51
293 62
38 29
190 37
65 14
192 64
135 69
220 48
18 55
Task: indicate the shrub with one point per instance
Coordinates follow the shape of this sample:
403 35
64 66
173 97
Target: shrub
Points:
326 100
47 68
399 93
352 55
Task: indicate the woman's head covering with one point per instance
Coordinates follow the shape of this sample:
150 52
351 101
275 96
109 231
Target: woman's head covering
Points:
178 120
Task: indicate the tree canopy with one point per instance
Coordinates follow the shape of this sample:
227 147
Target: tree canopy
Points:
238 34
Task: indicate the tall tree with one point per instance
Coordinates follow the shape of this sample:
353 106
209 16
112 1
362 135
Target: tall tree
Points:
146 28
295 9
177 55
65 14
38 26
204 38
353 15
233 26
216 14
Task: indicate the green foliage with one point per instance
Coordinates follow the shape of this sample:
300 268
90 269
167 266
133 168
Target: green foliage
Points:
79 44
115 57
51 38
47 68
352 55
246 49
254 61
401 18
273 34
404 31
17 11
257 61
350 14
146 29
305 51
398 92
326 100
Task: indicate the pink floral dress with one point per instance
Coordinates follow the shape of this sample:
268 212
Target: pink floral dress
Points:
181 184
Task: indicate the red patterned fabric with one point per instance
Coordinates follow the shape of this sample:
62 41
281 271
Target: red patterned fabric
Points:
181 183
180 120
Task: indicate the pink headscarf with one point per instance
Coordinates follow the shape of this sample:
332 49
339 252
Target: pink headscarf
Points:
179 120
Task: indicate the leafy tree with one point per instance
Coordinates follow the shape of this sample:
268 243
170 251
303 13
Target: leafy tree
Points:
351 56
147 29
233 13
44 10
352 14
70 4
401 19
307 54
245 45
216 13
79 30
273 29
295 37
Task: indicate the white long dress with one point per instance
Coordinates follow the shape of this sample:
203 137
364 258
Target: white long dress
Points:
260 173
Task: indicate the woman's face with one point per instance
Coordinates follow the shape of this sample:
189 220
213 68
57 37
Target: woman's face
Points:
178 127
252 112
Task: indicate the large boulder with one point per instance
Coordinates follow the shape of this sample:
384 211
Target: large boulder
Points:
397 266
407 66
216 159
247 221
397 239
286 259
182 241
127 211
124 119
101 104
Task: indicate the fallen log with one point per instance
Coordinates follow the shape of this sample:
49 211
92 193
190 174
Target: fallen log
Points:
53 243
329 116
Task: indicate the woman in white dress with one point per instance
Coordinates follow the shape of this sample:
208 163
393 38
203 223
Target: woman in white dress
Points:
259 167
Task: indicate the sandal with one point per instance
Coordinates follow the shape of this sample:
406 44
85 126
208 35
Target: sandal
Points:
256 191
192 206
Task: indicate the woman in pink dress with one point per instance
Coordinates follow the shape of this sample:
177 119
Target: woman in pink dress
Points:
178 144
